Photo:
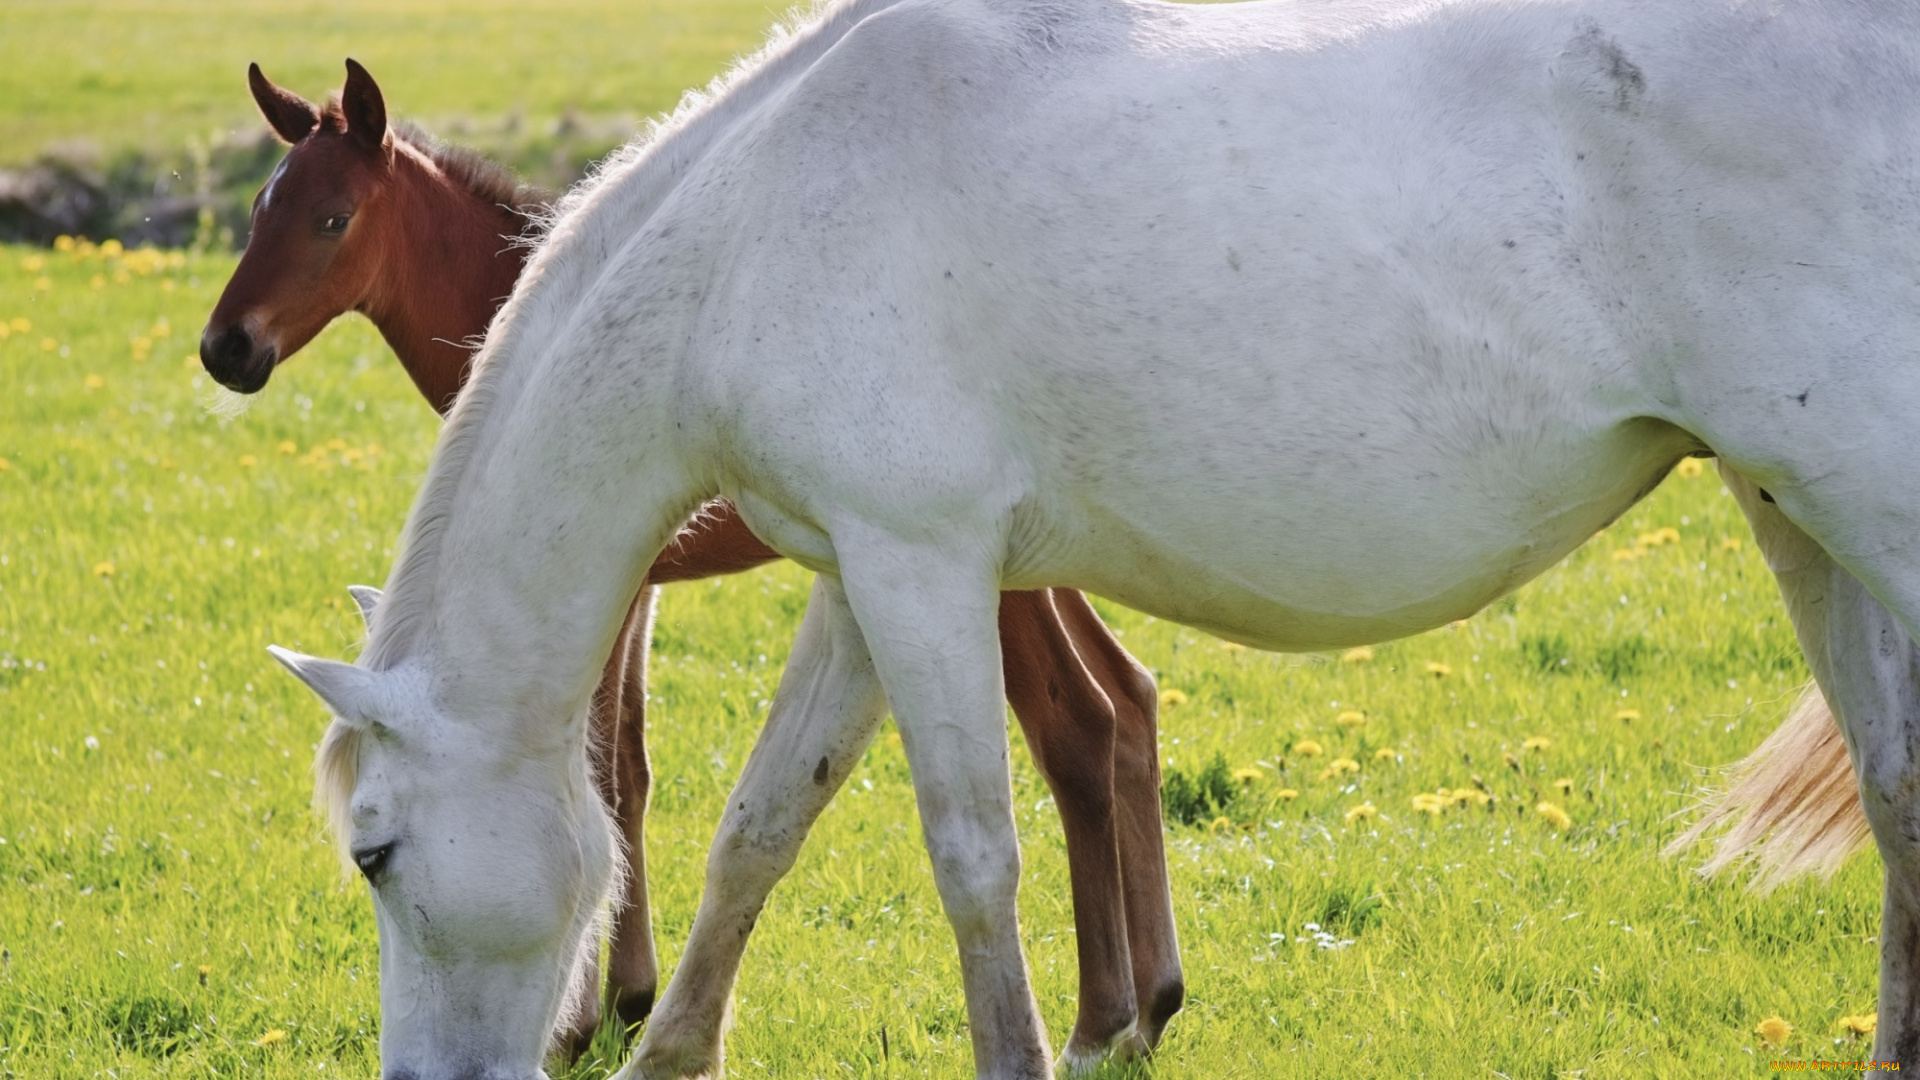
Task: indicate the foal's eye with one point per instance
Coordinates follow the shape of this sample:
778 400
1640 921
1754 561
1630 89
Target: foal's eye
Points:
373 860
336 224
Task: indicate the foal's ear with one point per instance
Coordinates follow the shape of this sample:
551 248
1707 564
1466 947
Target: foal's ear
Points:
364 108
291 116
366 596
349 691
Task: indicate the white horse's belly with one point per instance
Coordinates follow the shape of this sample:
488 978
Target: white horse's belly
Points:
1379 556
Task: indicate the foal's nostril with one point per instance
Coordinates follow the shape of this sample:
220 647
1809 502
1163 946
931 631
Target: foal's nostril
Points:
231 358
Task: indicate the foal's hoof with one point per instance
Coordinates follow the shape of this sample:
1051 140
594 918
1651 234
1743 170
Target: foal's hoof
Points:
632 1007
1084 1058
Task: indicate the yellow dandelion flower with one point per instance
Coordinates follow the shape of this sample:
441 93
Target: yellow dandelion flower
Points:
104 569
161 327
205 970
1627 716
1430 804
97 281
33 264
43 283
111 248
275 1036
1247 774
6 331
1172 697
1666 534
1438 670
5 464
336 444
1339 767
1731 543
1220 824
48 344
1690 468
1233 646
63 242
1553 813
1286 794
1512 762
1474 796
248 460
1351 718
1565 784
95 382
1624 555
20 325
288 447
166 463
1308 748
1385 753
1359 655
1537 743
1859 1026
1364 810
1773 1031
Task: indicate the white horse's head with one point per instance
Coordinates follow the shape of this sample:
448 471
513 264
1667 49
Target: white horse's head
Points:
488 861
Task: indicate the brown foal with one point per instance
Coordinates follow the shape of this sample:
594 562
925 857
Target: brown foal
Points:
426 241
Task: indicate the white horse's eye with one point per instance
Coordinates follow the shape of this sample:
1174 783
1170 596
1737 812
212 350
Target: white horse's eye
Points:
373 860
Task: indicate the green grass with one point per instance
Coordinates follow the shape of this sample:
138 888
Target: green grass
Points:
167 900
135 73
155 821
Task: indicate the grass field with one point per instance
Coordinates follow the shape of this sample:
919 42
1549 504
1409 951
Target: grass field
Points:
169 908
152 75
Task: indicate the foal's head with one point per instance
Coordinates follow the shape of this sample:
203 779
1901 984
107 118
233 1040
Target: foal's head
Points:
488 858
318 229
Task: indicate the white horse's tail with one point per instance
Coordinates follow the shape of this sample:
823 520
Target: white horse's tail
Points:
1793 803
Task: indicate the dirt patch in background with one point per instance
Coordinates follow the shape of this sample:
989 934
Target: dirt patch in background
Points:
200 196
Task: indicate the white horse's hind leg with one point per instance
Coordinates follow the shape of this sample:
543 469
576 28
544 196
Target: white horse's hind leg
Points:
823 716
1868 667
930 618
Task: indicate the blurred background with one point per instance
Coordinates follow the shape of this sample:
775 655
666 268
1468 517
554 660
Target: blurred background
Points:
131 120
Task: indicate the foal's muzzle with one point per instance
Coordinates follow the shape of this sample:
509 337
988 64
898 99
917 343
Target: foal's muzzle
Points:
235 360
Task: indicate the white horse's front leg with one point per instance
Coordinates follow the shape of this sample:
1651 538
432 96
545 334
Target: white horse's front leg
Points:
1869 670
931 619
823 716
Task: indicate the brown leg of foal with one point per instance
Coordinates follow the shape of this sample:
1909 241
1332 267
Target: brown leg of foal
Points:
1069 724
633 971
604 719
1159 987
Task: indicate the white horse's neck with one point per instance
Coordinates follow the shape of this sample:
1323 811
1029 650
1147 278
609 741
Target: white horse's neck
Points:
582 518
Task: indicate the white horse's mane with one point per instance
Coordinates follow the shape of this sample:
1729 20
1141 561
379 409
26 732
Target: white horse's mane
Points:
620 192
599 213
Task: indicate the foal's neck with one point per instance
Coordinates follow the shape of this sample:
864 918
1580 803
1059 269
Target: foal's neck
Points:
449 265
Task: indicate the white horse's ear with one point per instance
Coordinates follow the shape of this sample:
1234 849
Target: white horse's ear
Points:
366 596
348 691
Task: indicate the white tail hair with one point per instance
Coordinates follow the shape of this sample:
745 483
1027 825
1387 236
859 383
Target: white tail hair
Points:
1792 804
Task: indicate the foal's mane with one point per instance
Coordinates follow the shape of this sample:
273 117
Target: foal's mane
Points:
479 175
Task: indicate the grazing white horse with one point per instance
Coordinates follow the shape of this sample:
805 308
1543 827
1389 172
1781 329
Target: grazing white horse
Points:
1309 324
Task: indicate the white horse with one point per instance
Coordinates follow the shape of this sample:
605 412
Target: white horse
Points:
1309 324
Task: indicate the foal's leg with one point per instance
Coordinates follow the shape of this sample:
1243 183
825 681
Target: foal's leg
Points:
633 970
929 618
1869 669
1159 988
618 744
824 714
1069 723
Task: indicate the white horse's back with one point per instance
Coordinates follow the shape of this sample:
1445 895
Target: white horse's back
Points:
1260 317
